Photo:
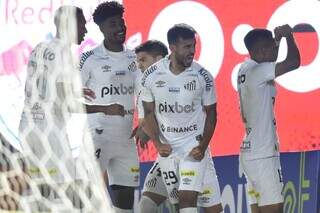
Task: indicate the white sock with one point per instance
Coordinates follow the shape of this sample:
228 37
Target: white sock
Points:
147 205
188 210
117 210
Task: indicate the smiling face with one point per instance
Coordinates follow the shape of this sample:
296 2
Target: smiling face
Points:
114 29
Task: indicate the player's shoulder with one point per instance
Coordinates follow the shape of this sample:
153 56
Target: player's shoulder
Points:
86 56
154 70
130 54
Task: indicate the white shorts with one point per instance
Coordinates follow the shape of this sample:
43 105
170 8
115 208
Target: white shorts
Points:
264 178
184 174
118 158
47 153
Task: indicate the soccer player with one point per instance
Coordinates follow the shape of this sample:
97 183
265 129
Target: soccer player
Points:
180 113
110 71
50 96
154 190
259 155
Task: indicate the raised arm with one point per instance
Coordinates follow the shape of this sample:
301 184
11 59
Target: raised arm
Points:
292 60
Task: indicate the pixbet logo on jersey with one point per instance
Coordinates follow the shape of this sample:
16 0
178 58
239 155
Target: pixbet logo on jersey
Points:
176 108
116 90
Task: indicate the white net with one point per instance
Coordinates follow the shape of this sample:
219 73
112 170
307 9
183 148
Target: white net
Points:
44 176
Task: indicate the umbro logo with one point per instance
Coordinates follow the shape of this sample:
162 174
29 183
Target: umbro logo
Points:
106 68
160 83
190 85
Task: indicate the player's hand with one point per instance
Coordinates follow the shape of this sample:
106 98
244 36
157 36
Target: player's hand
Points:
115 109
88 94
197 152
164 149
282 31
141 137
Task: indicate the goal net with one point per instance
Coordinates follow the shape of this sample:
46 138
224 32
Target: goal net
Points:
44 175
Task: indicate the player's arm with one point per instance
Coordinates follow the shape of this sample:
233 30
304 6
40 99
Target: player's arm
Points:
209 127
152 129
75 106
292 60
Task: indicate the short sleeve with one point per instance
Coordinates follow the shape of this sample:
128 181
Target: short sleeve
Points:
208 88
264 72
84 68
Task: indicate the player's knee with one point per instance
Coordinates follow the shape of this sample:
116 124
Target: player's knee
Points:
147 205
123 196
187 199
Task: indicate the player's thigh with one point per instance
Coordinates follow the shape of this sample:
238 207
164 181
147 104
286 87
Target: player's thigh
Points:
170 176
191 173
266 180
124 167
274 208
154 186
210 197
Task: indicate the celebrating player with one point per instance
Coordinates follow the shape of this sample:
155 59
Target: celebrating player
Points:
110 71
180 114
259 156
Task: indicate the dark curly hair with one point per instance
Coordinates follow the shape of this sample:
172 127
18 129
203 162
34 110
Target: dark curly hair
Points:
106 10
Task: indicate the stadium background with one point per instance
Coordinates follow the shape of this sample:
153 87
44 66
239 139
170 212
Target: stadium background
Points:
221 26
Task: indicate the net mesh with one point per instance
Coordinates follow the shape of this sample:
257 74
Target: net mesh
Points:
45 176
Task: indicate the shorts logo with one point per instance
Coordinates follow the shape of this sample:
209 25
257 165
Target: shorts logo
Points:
134 169
190 86
205 192
176 108
174 89
187 173
106 68
116 90
186 181
160 83
136 178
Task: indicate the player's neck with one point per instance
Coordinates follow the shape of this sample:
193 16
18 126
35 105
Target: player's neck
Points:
113 47
175 67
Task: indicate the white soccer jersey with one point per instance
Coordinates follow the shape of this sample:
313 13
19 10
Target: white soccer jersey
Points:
112 76
179 101
50 63
138 96
257 96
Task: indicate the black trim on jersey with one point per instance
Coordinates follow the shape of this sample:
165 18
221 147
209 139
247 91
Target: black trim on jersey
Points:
206 76
84 57
147 73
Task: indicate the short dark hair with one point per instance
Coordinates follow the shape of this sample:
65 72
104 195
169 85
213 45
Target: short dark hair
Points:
183 31
152 47
63 14
256 35
106 10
